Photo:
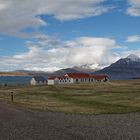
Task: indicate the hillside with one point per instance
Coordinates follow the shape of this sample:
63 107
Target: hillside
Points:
15 74
125 68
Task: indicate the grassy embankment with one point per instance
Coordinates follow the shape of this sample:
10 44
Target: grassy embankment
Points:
96 98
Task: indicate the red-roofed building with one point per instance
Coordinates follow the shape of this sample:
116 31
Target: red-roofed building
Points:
101 78
77 75
53 80
71 78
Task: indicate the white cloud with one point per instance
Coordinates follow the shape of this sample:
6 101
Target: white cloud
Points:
94 51
16 15
97 52
128 52
134 38
134 8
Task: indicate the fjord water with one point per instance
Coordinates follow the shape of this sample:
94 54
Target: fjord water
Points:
15 80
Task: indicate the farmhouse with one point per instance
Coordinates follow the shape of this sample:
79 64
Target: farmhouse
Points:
53 80
38 80
71 78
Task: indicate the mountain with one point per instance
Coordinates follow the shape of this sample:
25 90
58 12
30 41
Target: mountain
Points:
125 68
23 73
77 69
15 74
64 71
133 58
42 73
84 68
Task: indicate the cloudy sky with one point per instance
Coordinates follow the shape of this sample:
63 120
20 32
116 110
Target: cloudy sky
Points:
52 34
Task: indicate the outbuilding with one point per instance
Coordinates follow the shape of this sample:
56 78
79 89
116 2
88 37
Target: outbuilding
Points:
53 80
38 80
101 78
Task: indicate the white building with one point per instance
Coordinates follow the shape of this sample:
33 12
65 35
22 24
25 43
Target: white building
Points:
53 80
71 78
38 80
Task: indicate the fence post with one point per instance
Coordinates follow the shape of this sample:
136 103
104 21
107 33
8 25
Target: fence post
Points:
12 97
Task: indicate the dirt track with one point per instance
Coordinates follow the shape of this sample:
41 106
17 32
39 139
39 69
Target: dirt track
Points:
21 124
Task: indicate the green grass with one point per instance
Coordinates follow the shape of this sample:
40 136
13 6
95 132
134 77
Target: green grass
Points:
95 98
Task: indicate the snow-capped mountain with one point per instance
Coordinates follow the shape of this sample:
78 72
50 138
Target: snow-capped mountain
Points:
85 68
133 57
129 60
124 68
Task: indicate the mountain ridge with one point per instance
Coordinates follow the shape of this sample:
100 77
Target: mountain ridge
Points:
124 68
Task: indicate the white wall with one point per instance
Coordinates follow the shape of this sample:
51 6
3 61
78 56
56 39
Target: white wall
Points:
50 82
66 81
33 82
53 82
71 81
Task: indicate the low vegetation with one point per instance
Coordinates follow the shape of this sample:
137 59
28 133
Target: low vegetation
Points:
95 98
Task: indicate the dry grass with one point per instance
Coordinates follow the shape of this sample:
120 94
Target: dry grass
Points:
96 98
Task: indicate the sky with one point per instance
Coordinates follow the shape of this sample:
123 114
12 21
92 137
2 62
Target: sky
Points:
47 35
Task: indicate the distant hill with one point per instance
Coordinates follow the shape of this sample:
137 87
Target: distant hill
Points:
125 68
76 69
15 74
64 71
84 68
23 73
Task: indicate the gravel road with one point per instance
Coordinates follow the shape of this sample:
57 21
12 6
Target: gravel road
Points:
20 124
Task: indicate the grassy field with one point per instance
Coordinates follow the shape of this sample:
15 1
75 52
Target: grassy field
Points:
96 98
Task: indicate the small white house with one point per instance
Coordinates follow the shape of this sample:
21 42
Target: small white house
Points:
38 80
53 80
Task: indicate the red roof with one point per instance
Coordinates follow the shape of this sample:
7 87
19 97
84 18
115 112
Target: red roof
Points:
52 78
99 77
62 77
55 77
77 75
